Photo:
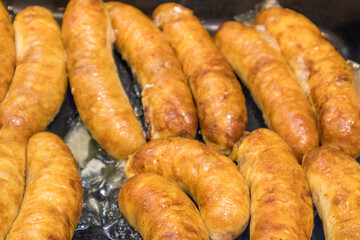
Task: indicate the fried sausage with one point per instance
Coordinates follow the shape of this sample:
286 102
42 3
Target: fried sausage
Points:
7 51
210 178
99 96
169 109
272 83
33 99
39 84
323 73
53 197
281 206
12 176
334 181
218 96
158 209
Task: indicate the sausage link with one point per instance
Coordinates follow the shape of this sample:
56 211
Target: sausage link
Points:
334 181
272 83
7 51
218 96
39 84
169 109
99 96
53 197
12 177
210 178
281 206
323 73
158 209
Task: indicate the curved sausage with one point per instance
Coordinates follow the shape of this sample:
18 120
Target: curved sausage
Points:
39 84
334 181
218 96
281 206
31 102
210 178
99 96
272 83
7 51
158 209
169 109
324 74
53 197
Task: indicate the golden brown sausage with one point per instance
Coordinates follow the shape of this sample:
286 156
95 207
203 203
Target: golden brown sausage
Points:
53 197
158 209
39 84
272 83
34 97
281 206
324 74
334 181
12 176
99 96
218 96
7 51
169 109
210 178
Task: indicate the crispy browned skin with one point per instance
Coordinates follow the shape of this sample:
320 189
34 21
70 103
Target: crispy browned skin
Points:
158 209
273 84
7 51
31 103
281 206
334 181
99 96
53 196
218 96
39 84
169 109
210 178
329 85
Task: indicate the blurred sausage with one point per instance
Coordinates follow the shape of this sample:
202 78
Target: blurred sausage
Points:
210 178
33 99
158 209
323 73
272 83
7 51
218 96
168 105
334 181
99 96
53 197
281 206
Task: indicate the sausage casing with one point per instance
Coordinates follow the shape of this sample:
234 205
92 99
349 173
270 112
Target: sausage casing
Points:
281 206
7 51
334 181
39 84
323 73
217 92
53 196
99 96
272 83
210 178
158 209
169 109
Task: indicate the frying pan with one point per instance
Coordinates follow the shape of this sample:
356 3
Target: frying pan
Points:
339 21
